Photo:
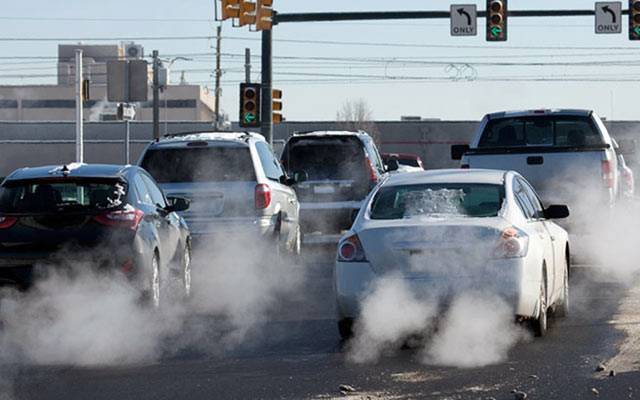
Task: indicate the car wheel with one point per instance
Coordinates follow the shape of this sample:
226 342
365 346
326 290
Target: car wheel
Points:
345 327
540 324
186 270
563 308
155 281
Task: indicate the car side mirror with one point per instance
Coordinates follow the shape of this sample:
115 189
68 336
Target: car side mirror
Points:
458 150
556 212
300 176
177 204
285 180
392 165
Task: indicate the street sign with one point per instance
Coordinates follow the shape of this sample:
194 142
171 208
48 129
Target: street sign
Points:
609 17
464 20
127 80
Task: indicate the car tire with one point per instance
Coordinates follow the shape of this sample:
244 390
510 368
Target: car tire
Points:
345 328
540 324
562 310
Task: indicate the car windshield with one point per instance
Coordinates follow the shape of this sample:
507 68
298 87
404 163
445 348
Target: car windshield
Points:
339 158
54 196
208 164
438 200
571 131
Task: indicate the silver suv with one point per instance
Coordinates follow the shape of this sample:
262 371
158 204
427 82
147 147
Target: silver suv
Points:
235 183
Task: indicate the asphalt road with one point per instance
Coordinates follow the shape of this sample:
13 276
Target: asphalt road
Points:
298 355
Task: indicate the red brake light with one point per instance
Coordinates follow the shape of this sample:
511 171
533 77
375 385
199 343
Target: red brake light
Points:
121 219
373 177
350 250
262 196
607 173
7 222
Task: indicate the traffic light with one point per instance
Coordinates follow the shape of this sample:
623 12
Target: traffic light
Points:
249 105
496 20
230 9
276 105
264 15
86 85
634 19
247 13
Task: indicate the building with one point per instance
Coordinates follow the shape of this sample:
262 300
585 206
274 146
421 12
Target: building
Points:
56 102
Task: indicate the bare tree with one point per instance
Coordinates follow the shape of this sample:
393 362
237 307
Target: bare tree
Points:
357 114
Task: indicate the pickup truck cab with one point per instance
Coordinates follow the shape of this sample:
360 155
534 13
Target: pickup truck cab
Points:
567 155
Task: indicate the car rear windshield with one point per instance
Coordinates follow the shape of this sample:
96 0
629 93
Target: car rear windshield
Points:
331 158
438 200
54 196
208 164
565 130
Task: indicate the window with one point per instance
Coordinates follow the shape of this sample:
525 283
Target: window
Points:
558 130
157 198
141 189
200 164
269 162
438 200
533 199
523 201
70 195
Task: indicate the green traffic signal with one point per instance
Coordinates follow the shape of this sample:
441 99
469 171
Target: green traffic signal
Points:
496 31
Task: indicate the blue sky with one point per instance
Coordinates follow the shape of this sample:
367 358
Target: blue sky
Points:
395 79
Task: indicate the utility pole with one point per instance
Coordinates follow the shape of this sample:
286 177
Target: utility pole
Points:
79 98
156 96
247 65
218 74
266 109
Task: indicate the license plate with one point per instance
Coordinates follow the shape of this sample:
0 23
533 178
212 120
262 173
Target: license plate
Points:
324 189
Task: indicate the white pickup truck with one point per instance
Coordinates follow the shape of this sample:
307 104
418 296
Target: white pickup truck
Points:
567 155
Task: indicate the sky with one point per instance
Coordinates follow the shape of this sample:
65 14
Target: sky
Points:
408 67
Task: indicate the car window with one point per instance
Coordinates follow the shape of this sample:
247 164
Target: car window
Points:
523 201
556 130
142 191
157 198
533 199
269 162
437 201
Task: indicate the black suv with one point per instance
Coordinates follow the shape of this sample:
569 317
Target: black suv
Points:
335 170
107 216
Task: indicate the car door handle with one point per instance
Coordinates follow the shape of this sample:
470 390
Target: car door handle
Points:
535 160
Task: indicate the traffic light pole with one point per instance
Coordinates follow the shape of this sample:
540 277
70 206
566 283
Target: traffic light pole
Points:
266 111
156 96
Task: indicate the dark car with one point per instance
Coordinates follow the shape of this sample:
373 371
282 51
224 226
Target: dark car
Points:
334 172
110 217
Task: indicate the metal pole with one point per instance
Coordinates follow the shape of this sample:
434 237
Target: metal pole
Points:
247 65
127 142
156 95
218 74
266 107
79 122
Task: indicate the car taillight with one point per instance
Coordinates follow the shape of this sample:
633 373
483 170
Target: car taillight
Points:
513 243
7 222
350 250
121 218
127 266
373 176
262 196
607 173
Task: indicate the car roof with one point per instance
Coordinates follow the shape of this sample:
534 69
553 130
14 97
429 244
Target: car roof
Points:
180 139
331 133
540 113
485 176
74 170
402 155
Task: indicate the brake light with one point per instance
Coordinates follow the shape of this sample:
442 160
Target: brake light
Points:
607 173
350 249
121 218
513 243
373 176
262 196
7 222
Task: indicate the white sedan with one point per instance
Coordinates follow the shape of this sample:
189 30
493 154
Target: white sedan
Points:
450 231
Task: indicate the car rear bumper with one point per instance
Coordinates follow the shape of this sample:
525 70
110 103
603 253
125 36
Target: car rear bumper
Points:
221 229
353 282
